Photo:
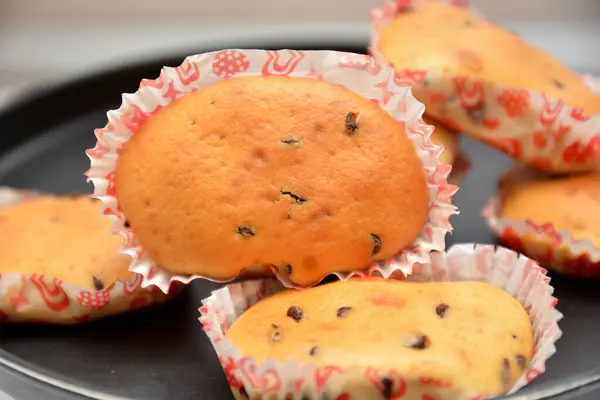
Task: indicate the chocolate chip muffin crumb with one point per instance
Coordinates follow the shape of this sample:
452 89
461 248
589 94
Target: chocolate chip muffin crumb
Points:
313 351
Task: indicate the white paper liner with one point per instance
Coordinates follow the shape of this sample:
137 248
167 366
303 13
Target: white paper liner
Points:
37 298
525 124
358 73
518 275
554 249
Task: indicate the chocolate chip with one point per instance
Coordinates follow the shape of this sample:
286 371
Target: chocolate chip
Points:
126 224
514 336
407 8
505 372
521 361
351 122
342 312
275 337
441 309
245 231
558 84
313 351
98 284
476 113
297 199
387 388
376 244
285 270
295 313
276 334
425 82
419 343
290 141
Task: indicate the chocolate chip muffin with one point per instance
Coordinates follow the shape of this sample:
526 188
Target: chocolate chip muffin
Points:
470 338
62 237
449 41
569 203
298 175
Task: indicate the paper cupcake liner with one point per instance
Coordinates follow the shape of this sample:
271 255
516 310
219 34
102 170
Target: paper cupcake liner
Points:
519 276
38 298
358 73
552 248
527 125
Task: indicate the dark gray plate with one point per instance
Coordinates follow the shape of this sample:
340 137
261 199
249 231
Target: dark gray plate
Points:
162 353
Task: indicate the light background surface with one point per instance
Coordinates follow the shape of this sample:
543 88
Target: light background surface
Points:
46 40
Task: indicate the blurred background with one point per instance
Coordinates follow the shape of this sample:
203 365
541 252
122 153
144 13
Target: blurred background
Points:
45 41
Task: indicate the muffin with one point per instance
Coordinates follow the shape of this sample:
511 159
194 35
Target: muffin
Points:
475 322
454 42
555 220
60 264
442 135
439 330
469 74
297 175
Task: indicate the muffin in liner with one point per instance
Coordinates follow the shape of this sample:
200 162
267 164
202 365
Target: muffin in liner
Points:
460 169
38 298
527 125
518 275
452 153
358 73
554 249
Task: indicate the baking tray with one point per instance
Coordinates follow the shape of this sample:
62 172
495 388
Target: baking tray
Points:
161 353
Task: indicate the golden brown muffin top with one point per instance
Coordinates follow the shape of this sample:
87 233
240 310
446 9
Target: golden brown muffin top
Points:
459 332
299 174
450 41
568 203
63 237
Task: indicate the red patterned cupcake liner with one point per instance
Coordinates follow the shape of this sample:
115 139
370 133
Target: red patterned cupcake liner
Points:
545 133
554 249
38 298
518 275
358 73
